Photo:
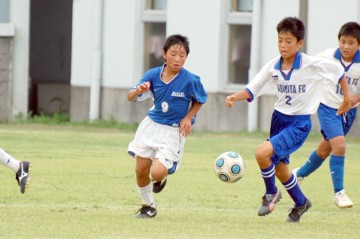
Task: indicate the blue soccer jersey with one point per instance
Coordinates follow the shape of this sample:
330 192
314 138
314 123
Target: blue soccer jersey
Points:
300 90
172 100
333 96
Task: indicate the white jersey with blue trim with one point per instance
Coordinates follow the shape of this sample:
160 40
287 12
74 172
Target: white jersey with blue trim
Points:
333 95
172 100
300 90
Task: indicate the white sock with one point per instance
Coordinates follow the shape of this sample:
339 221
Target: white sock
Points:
9 161
146 195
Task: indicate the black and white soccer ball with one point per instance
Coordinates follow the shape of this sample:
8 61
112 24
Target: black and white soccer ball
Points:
229 167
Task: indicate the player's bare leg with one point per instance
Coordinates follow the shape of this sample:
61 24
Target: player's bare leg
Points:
159 175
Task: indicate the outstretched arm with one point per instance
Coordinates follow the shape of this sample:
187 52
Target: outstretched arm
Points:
241 95
133 94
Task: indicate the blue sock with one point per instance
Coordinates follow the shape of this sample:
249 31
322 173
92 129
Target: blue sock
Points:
294 191
268 175
313 163
337 172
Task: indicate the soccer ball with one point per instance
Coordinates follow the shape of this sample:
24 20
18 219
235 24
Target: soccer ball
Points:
229 167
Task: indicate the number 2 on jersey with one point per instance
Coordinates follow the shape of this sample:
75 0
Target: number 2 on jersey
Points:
288 99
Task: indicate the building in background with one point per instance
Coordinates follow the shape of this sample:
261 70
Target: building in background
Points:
82 56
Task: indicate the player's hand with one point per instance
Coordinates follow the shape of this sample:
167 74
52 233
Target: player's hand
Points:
185 127
344 107
230 101
143 88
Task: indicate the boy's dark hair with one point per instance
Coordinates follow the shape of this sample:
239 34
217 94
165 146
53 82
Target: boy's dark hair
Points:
293 25
350 29
177 39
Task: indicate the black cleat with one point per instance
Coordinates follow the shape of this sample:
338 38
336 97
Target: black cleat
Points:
22 175
146 212
297 212
159 186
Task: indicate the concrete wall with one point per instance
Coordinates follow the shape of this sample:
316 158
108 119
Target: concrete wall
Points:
7 33
5 77
80 106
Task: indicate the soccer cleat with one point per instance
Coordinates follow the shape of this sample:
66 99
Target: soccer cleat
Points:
146 212
268 203
299 179
159 186
342 200
297 212
22 175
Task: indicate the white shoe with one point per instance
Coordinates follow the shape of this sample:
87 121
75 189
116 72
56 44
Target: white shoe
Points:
342 200
299 179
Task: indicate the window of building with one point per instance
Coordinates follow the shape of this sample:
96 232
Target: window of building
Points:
156 4
242 5
4 11
239 21
154 41
240 39
154 18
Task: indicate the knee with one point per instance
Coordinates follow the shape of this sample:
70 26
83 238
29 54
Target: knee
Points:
158 175
323 154
339 149
261 154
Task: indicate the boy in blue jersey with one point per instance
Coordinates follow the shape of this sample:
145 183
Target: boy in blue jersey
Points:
21 169
299 81
335 127
160 138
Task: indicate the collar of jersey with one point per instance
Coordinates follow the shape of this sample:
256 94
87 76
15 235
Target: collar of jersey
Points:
296 63
356 59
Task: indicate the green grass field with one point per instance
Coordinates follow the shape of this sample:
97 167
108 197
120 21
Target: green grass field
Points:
83 186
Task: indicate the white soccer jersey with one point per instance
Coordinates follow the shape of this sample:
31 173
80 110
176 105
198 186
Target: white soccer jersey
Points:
301 89
333 95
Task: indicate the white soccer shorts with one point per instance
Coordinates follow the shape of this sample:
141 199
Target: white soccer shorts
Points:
158 141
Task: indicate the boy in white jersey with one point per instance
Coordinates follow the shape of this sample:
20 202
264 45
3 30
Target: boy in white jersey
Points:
21 169
160 138
335 127
299 80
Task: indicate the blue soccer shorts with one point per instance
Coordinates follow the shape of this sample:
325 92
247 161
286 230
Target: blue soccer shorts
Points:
287 134
333 125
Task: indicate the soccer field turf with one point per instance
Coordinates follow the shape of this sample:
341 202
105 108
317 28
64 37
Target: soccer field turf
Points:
83 186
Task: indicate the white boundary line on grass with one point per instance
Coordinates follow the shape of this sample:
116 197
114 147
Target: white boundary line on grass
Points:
99 207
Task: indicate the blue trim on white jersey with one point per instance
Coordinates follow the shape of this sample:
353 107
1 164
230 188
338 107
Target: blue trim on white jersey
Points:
251 95
338 56
296 65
